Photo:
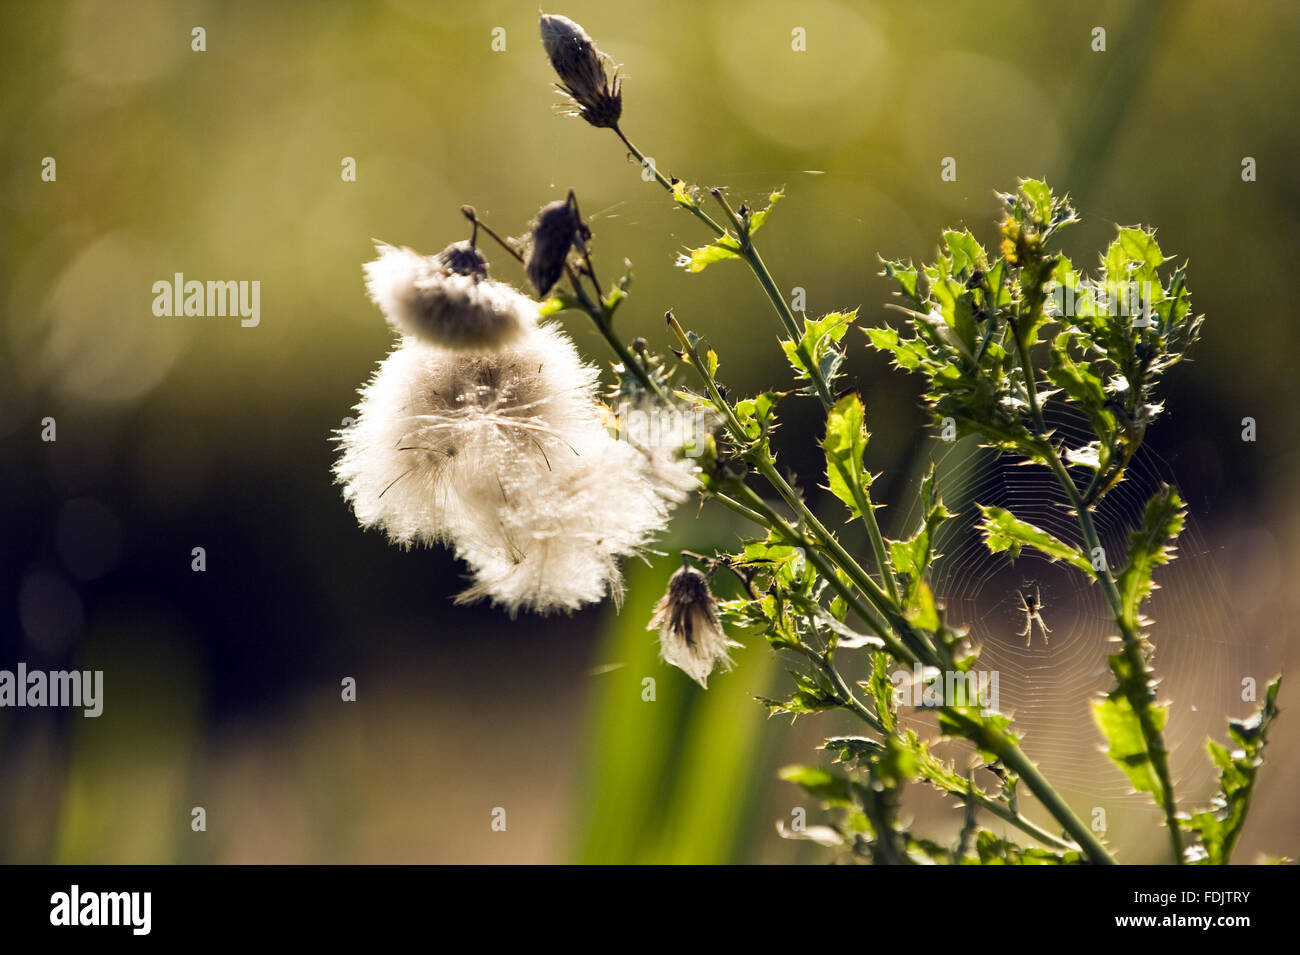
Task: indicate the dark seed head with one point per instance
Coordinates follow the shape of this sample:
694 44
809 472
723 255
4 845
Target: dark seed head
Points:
690 601
557 229
581 68
463 259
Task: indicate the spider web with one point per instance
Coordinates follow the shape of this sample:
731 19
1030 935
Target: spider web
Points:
1201 654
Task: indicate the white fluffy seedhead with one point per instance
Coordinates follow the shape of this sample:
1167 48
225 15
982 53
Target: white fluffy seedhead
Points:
426 298
505 457
690 635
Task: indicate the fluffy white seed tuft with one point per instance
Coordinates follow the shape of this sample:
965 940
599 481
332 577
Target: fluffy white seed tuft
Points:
690 636
423 297
505 457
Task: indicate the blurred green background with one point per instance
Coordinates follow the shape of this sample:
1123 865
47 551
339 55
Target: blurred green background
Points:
222 688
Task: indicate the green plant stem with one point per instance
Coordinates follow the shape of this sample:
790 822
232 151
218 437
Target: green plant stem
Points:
766 465
734 505
1007 814
1031 383
749 252
1132 649
881 604
596 310
970 795
600 315
993 740
693 208
1132 644
1016 760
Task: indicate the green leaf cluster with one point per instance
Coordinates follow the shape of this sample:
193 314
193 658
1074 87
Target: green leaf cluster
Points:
1218 827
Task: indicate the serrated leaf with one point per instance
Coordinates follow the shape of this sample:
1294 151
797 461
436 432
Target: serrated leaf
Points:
1126 744
907 278
912 557
809 696
697 260
1134 255
757 414
844 444
831 787
1079 381
1040 200
966 253
853 748
1220 826
682 194
768 551
818 343
757 220
920 610
988 731
882 691
908 353
1149 546
1003 531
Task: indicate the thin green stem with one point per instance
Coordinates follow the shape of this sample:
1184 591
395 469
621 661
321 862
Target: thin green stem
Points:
1019 763
879 603
749 252
997 741
886 605
970 795
732 504
600 316
693 207
1132 648
1006 814
1132 644
1031 382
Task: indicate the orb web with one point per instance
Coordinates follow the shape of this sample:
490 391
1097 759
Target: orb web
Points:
1047 681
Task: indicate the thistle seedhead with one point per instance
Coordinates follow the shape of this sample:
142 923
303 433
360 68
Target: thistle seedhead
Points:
447 299
463 258
558 228
690 636
596 96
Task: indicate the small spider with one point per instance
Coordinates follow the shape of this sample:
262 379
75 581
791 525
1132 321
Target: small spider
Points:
1032 605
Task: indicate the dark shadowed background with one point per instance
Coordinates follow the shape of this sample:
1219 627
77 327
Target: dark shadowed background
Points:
223 687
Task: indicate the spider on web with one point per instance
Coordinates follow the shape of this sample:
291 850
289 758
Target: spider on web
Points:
1032 606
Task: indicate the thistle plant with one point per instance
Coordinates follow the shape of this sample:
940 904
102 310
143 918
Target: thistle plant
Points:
485 431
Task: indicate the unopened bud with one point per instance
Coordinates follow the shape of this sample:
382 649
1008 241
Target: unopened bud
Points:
581 67
557 229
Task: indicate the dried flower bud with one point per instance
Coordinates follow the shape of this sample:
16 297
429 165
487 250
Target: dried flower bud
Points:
581 67
557 229
447 299
463 259
690 636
